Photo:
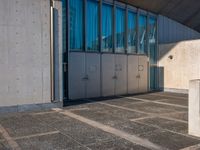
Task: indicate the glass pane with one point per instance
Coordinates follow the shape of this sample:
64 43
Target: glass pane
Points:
153 76
92 25
142 35
76 25
107 25
152 40
132 38
120 30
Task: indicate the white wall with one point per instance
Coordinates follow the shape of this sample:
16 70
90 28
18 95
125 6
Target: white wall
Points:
24 52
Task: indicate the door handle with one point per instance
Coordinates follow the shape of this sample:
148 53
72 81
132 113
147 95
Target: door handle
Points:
114 77
86 77
138 76
65 67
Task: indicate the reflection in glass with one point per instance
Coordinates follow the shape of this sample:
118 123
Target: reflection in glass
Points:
120 30
107 25
152 40
76 24
92 25
132 38
142 35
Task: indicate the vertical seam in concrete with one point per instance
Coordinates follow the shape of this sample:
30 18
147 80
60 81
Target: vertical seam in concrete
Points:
9 139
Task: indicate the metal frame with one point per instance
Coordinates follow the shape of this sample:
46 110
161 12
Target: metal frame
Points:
114 4
52 54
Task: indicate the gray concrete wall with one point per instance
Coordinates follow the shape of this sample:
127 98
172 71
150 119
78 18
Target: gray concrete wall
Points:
170 31
24 52
183 67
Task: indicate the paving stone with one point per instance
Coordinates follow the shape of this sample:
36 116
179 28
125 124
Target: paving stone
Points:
170 140
182 102
50 142
82 132
118 144
181 116
49 118
109 115
155 108
166 124
22 125
101 117
173 94
1 137
150 97
134 128
4 146
121 101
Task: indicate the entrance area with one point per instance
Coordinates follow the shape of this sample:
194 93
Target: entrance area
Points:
100 75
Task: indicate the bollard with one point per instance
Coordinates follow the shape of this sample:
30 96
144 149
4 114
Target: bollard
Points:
194 108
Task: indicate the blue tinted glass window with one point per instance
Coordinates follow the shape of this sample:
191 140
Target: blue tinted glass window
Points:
120 30
76 24
107 26
92 25
142 35
132 35
152 40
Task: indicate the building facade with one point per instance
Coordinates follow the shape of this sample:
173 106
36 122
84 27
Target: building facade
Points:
74 49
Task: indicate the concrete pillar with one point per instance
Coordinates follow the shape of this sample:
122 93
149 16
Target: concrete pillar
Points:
194 108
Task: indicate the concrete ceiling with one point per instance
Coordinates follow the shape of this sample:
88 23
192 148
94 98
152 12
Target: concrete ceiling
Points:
186 12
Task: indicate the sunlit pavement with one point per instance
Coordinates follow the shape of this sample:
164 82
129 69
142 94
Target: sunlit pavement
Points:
148 121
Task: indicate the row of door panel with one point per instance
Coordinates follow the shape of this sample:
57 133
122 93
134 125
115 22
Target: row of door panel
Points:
84 75
96 75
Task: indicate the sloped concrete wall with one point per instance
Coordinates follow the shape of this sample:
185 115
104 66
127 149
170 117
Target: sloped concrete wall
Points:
170 31
24 52
181 63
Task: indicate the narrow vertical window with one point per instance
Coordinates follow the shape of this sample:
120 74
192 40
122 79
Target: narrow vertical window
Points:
142 35
132 35
152 40
92 25
120 30
107 26
76 25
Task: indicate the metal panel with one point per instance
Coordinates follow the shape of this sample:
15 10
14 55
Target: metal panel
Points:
133 74
121 74
76 75
108 74
143 72
93 73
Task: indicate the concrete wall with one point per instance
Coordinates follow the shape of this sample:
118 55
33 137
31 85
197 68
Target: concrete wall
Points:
170 31
183 67
24 52
183 46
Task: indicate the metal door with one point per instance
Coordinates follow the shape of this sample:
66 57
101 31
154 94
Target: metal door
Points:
143 74
108 74
93 75
121 74
77 76
133 76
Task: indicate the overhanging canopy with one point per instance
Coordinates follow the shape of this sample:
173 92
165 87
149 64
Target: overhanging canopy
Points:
186 12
